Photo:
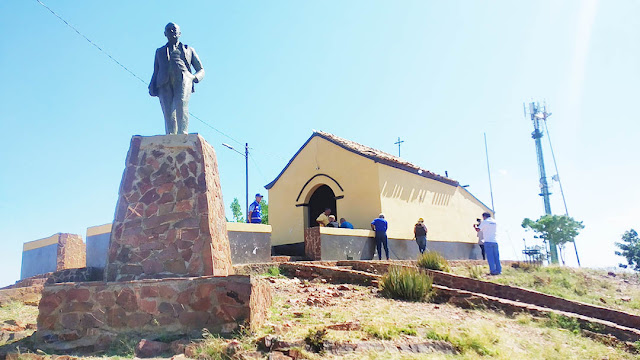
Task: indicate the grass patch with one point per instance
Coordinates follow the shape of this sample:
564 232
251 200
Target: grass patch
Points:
475 272
124 345
562 322
16 310
464 342
432 260
273 271
389 332
215 347
406 284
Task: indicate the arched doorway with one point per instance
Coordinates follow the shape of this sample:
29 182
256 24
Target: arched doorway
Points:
323 197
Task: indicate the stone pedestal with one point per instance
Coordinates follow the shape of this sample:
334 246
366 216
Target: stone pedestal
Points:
169 221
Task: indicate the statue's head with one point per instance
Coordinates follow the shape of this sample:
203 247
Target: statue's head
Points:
172 32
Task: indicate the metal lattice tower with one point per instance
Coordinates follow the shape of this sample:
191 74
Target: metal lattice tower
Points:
539 113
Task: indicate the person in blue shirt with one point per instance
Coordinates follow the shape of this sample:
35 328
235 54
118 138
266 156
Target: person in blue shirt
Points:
345 224
255 214
379 225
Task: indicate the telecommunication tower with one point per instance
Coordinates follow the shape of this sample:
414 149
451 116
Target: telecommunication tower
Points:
539 113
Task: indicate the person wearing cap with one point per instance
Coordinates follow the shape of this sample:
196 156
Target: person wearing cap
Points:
420 232
255 212
323 219
333 222
379 225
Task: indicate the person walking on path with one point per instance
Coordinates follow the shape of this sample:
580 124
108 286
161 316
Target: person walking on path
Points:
488 231
379 225
420 232
254 215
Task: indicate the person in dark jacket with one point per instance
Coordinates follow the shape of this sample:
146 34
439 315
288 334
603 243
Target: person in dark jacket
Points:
420 232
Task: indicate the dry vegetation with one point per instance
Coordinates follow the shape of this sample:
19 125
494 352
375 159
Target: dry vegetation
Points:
474 333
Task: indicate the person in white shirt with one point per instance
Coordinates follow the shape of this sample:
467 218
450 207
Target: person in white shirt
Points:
488 232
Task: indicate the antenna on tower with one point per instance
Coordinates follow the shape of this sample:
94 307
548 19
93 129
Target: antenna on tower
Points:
539 113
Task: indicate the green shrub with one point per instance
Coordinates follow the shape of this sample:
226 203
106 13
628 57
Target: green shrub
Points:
315 340
475 272
273 271
563 322
433 261
406 284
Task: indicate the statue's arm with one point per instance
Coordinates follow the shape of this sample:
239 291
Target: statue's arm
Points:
197 65
153 88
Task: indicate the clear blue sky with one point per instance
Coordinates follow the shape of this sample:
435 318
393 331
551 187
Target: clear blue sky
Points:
437 74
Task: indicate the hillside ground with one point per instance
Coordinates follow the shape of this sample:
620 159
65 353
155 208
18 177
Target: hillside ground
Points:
335 316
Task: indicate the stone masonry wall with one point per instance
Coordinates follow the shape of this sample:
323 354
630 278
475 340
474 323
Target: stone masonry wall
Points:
313 243
75 315
170 220
71 252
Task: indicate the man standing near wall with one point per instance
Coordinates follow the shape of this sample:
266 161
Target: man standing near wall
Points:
380 225
488 232
254 215
323 219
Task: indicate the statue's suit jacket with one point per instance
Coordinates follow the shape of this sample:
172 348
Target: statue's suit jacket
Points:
161 67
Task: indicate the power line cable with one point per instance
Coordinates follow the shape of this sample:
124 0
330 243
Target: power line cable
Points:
91 42
124 67
255 163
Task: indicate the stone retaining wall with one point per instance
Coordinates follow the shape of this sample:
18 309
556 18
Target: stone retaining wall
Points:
76 315
512 293
76 275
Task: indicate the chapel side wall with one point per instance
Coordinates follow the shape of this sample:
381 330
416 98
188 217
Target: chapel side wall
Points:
357 175
448 211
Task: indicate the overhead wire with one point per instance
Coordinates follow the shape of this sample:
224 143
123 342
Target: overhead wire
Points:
126 68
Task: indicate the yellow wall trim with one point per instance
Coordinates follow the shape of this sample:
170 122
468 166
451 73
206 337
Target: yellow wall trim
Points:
99 229
36 244
346 232
244 227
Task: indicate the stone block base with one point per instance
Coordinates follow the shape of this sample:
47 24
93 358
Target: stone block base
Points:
74 315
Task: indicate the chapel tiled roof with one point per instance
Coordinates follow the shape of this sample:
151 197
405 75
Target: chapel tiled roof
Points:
370 153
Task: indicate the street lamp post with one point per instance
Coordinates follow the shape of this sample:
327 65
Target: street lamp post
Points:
246 174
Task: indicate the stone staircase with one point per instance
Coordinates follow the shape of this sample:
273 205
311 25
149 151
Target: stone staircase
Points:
471 293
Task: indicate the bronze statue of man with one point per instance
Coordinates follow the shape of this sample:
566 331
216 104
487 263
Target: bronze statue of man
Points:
172 81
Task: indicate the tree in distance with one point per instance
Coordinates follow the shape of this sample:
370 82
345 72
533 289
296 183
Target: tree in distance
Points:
556 229
264 208
630 247
236 211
